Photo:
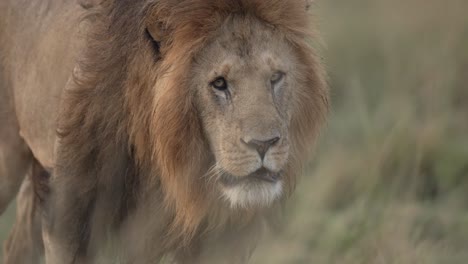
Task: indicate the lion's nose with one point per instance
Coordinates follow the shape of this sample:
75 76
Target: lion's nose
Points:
262 146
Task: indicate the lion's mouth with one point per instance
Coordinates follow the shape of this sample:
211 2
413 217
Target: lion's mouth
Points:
260 176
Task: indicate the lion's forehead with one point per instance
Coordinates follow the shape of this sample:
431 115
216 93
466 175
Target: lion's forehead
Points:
247 38
266 57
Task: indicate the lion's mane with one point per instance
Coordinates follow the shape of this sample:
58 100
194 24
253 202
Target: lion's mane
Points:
131 123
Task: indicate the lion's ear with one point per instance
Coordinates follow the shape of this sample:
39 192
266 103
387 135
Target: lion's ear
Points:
157 31
89 3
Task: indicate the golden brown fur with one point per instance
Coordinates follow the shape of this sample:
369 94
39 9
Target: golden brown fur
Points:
131 139
194 21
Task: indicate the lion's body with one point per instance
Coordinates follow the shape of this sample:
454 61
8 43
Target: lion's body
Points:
38 58
92 99
34 69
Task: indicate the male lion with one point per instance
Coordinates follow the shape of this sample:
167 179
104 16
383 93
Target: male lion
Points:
174 127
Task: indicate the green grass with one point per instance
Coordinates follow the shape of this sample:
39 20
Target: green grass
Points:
389 182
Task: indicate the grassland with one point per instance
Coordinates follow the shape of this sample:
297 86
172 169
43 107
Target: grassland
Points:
389 182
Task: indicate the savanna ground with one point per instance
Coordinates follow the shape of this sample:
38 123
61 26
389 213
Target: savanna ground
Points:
389 182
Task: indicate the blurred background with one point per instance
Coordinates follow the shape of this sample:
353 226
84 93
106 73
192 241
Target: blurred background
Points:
389 181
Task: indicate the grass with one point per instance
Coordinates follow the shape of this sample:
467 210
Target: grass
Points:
389 182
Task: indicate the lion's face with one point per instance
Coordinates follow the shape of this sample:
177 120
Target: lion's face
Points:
244 81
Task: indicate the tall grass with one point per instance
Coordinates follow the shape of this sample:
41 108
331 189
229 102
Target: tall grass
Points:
389 183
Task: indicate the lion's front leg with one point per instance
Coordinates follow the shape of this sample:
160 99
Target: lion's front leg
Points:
24 245
66 221
15 157
66 230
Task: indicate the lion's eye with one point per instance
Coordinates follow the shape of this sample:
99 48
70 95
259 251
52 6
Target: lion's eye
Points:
276 77
220 84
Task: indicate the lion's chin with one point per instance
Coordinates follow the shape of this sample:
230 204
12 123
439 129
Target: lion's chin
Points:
253 193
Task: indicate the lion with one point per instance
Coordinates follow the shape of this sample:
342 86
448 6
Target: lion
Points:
174 128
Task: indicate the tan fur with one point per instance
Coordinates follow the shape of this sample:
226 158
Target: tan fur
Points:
133 139
194 23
